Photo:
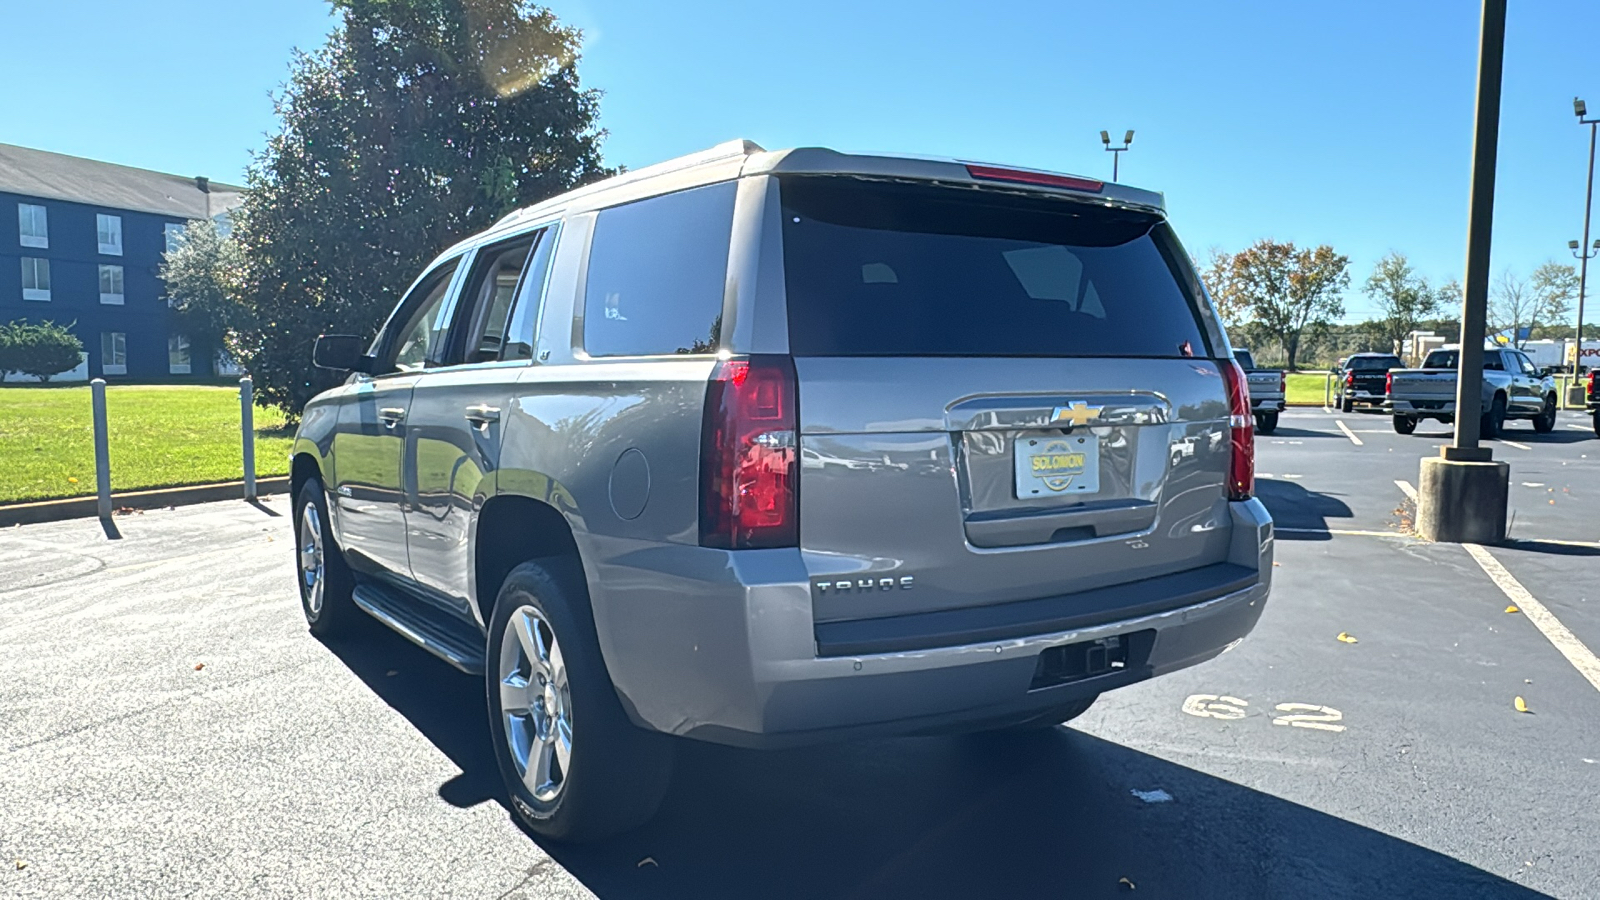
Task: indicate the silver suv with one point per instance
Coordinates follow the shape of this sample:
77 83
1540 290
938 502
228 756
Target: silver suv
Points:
764 448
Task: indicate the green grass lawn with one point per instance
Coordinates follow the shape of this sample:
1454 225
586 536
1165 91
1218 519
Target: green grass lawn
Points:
160 436
1306 388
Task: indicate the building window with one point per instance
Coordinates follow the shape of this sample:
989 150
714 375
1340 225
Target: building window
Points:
110 228
33 224
113 353
111 285
35 278
174 234
178 355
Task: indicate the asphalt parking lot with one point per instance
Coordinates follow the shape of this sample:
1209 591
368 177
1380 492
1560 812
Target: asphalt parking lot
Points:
169 728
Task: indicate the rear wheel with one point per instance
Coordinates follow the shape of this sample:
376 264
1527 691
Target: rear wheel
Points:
1597 423
1494 419
1266 423
325 580
1405 424
575 767
1545 421
1346 404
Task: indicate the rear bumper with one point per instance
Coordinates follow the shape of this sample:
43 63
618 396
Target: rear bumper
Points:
745 668
1266 406
1423 409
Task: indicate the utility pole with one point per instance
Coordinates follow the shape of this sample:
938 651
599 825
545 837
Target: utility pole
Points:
1116 152
1462 494
1588 202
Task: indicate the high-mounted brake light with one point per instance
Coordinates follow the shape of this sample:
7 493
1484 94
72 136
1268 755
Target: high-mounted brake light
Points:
1043 179
749 467
1242 460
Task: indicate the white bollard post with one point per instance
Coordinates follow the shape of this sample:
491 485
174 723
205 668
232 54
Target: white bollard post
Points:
102 448
248 429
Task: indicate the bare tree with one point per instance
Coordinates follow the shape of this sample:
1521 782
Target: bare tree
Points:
1519 305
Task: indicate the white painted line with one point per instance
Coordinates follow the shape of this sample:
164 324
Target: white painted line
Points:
1347 432
1406 488
1581 657
1340 531
1579 427
1515 444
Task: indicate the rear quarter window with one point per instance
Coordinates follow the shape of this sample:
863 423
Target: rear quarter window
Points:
888 269
657 269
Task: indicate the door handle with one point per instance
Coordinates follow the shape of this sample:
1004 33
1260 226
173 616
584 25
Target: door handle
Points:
391 416
483 414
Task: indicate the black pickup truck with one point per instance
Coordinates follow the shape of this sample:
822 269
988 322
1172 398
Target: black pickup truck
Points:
1363 381
1592 399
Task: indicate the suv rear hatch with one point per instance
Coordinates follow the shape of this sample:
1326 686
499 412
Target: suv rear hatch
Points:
1005 397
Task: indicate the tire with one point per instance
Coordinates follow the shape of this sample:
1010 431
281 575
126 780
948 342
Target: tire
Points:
1597 423
1545 421
1266 423
613 775
1494 420
1346 404
1405 424
324 578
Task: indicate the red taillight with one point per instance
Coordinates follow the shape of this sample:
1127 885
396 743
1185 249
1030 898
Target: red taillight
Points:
1044 179
749 472
1388 382
1283 383
1350 379
1242 464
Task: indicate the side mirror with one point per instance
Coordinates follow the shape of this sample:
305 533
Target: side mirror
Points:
339 351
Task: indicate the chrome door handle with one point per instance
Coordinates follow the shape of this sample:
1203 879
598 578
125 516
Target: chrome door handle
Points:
483 414
391 416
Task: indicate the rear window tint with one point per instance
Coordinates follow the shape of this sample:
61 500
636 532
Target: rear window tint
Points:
1244 358
1364 363
880 269
1451 359
657 269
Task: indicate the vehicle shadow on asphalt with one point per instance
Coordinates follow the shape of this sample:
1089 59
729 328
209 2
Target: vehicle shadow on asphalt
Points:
1045 814
1294 507
1283 431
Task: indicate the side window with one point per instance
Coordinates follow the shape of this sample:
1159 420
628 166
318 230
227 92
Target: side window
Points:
486 301
1528 368
519 335
657 271
419 337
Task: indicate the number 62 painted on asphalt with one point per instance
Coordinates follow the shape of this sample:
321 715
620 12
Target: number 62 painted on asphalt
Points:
1296 715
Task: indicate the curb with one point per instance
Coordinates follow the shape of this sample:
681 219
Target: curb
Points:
87 507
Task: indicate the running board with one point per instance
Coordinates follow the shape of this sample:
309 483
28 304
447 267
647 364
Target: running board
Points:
435 631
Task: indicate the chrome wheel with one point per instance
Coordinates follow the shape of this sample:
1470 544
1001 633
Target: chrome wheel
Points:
312 581
535 703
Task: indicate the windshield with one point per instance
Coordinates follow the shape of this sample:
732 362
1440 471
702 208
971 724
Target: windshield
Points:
1244 358
876 269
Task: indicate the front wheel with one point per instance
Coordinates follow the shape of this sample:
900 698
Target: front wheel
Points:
1405 424
325 580
1545 421
1266 423
576 768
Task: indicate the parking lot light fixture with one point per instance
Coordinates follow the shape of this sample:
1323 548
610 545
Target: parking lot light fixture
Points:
1116 152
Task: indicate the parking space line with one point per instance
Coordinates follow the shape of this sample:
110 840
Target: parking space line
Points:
1406 488
1577 426
1340 531
1515 444
1581 657
1347 432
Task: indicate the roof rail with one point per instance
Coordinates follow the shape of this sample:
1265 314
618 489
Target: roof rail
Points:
722 151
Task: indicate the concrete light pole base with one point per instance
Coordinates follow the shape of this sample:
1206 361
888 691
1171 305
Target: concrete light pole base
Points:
1463 501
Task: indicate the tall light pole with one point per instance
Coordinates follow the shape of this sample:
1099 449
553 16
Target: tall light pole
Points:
1116 152
1580 252
1588 202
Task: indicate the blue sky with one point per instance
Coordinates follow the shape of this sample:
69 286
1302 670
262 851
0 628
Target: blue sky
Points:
1347 124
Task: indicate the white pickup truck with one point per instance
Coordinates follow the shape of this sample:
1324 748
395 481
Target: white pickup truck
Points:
1513 388
1266 387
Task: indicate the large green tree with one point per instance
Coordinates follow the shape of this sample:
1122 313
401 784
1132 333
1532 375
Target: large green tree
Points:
1404 298
420 122
1289 294
202 278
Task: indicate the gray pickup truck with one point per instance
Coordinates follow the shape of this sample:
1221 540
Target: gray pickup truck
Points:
1513 388
1268 389
765 448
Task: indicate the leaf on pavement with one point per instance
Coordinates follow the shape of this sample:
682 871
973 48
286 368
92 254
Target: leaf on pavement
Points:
1520 704
1123 881
199 666
1512 608
1346 638
21 864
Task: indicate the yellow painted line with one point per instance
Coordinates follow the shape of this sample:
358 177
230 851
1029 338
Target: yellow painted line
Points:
1347 432
1581 657
1406 488
1515 444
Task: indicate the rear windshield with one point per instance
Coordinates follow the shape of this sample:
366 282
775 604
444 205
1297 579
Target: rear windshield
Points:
1450 359
1375 362
882 269
1244 358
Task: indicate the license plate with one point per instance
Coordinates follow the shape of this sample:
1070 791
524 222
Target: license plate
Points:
1057 464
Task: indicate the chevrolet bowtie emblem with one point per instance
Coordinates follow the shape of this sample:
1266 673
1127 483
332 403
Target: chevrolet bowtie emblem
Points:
1076 414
